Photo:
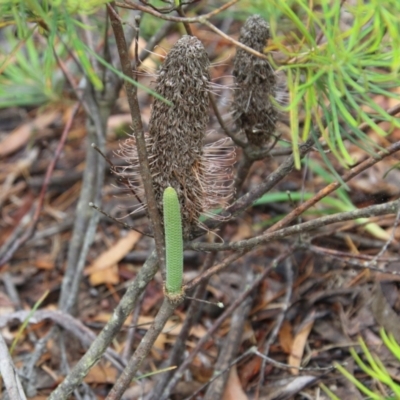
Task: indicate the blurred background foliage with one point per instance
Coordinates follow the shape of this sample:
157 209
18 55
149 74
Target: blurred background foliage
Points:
374 368
34 35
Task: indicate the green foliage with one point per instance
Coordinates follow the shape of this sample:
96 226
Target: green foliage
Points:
338 57
30 76
26 321
37 32
336 69
374 368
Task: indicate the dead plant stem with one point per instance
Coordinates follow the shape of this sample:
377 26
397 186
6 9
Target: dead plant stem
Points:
144 348
179 372
367 212
105 337
137 128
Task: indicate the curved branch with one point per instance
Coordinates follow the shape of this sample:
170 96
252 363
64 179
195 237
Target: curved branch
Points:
269 236
203 19
105 337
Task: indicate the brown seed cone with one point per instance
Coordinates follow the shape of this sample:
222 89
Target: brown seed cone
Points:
255 79
200 176
176 132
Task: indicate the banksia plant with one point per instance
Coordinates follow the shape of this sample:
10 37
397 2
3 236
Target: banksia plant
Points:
201 175
253 112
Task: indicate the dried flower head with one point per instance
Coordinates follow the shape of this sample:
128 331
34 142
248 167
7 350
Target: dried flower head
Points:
201 175
255 79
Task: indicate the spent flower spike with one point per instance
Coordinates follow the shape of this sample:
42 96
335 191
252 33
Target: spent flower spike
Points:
253 112
201 175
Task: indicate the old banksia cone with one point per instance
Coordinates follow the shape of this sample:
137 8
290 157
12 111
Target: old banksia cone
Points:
253 112
201 175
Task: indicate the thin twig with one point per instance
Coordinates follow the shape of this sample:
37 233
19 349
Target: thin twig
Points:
29 370
286 366
230 40
335 185
367 212
390 239
128 4
65 321
105 337
242 171
217 374
188 29
166 311
221 122
99 105
345 255
203 19
154 40
125 225
178 351
137 127
231 343
127 352
269 182
9 373
179 372
279 320
350 259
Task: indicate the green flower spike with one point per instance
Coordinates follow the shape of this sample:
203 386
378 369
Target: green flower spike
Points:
173 243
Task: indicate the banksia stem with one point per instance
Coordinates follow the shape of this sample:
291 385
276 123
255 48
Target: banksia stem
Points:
255 79
200 175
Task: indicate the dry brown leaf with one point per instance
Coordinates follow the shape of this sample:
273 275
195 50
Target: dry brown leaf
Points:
101 374
286 337
44 263
108 275
249 370
115 253
105 317
20 136
244 232
160 342
299 343
233 389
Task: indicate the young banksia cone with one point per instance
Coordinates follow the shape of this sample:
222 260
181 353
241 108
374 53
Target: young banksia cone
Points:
201 175
255 79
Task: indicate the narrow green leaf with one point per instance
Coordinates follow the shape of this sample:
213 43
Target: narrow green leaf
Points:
26 321
357 383
294 117
127 78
